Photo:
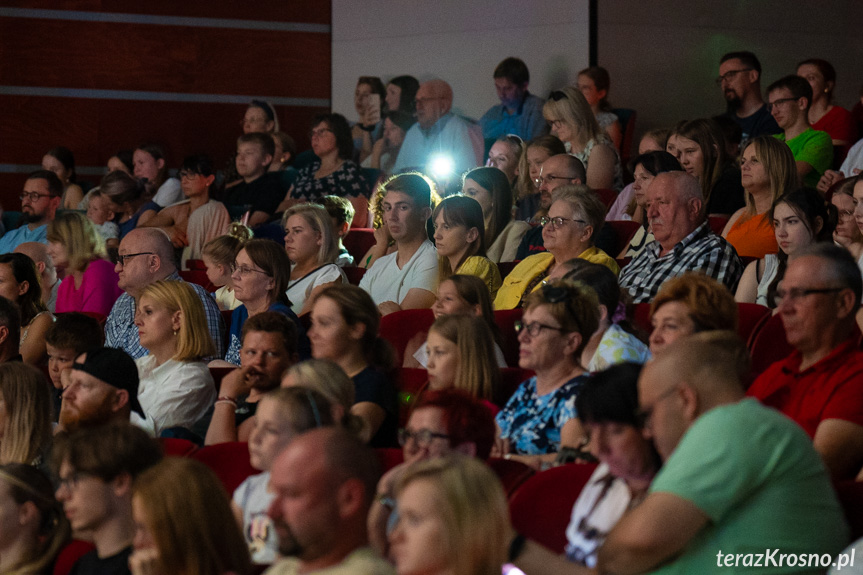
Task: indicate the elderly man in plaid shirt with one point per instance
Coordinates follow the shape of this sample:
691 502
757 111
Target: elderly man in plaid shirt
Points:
684 241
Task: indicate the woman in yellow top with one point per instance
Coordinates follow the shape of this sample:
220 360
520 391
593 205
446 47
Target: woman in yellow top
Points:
575 215
459 238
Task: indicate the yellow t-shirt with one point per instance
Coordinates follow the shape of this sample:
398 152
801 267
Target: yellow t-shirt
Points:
484 269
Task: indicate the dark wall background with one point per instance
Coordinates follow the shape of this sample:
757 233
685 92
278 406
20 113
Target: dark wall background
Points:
99 76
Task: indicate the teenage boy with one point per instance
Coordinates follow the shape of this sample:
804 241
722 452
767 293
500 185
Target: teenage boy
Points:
406 278
259 193
96 468
68 337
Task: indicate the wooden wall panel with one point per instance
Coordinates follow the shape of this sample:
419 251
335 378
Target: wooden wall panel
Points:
311 11
111 56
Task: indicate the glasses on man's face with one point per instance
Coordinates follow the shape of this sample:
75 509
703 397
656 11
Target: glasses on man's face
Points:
32 196
70 482
245 270
729 75
548 179
124 258
184 175
558 221
422 437
319 132
773 104
793 294
533 328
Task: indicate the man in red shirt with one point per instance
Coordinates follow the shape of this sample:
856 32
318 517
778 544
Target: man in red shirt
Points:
820 385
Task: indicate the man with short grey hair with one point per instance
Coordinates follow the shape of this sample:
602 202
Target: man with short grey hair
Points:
147 256
683 240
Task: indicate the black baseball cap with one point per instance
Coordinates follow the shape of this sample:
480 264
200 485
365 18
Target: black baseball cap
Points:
114 367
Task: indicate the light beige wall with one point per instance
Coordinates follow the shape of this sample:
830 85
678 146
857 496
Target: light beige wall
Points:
663 55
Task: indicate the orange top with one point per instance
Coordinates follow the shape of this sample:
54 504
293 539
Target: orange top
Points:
753 237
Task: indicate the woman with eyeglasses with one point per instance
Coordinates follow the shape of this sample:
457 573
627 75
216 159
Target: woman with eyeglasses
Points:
90 282
282 415
800 218
571 119
126 198
334 172
767 171
198 219
526 191
575 215
540 418
645 167
502 232
260 275
312 247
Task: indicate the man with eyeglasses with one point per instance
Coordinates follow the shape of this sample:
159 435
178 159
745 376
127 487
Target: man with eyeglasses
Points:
39 202
442 422
820 385
519 111
439 132
682 242
737 477
147 256
96 468
788 100
740 80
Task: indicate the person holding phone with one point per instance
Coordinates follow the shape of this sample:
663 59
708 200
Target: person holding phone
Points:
368 98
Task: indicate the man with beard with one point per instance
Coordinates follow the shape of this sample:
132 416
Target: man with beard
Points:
102 386
39 202
740 80
269 348
323 484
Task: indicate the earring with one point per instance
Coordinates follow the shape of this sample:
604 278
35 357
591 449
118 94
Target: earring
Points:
175 332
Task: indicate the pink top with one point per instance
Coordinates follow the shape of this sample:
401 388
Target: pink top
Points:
97 293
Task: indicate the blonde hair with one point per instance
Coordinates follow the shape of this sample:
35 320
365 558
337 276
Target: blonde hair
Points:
317 217
477 372
27 396
327 378
303 408
778 162
223 250
473 509
573 110
193 337
79 236
190 518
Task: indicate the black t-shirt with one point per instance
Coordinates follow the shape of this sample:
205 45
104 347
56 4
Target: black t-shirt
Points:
726 197
90 564
759 123
375 387
261 195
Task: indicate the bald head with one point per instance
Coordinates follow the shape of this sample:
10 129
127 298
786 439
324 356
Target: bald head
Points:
38 252
433 101
147 256
153 240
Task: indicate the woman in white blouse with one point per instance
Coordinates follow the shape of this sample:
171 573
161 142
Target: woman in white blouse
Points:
313 249
176 387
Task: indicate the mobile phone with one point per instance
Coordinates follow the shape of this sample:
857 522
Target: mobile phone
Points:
373 109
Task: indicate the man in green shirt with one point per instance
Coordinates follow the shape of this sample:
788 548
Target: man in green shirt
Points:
788 100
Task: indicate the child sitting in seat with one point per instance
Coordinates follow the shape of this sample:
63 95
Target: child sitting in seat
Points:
342 213
100 213
68 337
219 255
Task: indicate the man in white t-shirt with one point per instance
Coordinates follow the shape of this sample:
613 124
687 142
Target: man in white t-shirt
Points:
406 278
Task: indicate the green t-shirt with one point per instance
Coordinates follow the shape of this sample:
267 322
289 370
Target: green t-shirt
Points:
755 474
816 149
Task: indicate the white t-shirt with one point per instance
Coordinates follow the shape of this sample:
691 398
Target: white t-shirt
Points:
853 163
386 282
169 193
174 394
300 290
254 499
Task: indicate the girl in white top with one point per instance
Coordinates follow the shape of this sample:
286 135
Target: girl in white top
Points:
800 218
313 249
176 388
282 415
150 167
219 255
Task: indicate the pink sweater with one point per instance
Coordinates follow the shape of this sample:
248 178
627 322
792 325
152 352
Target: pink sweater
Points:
97 293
